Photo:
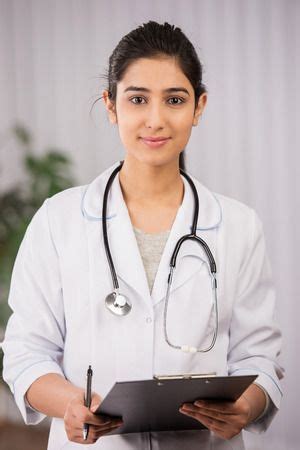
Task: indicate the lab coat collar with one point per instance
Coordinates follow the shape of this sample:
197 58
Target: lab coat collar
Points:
123 244
210 212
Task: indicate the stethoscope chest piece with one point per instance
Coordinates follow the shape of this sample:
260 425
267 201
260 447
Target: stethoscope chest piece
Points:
118 304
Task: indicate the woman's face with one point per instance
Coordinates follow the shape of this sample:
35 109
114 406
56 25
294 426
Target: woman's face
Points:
155 100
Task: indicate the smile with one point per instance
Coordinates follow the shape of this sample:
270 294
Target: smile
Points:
155 142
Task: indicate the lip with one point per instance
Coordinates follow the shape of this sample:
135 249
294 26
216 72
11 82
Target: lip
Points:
156 138
155 142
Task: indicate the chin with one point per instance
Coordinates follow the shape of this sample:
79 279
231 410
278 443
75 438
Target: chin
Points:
159 160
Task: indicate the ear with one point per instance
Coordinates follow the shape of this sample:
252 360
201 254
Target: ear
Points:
200 108
110 107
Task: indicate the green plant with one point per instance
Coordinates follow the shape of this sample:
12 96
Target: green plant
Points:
47 174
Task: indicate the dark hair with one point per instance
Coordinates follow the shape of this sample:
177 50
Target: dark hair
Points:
150 40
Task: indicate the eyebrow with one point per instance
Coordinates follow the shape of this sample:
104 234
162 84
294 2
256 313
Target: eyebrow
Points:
168 91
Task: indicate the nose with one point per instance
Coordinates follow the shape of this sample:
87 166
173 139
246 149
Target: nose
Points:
155 116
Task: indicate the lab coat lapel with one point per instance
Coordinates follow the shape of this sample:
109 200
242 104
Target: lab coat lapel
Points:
191 255
124 249
122 242
127 258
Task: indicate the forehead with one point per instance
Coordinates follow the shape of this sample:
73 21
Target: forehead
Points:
157 73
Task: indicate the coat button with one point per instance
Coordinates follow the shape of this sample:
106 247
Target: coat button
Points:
148 320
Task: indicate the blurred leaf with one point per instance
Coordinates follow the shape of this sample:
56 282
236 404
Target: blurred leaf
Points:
22 134
47 174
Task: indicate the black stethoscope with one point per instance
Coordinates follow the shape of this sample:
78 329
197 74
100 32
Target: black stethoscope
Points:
120 305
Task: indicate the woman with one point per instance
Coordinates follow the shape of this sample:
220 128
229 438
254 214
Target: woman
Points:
61 277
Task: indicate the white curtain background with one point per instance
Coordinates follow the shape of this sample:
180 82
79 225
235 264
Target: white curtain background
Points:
52 54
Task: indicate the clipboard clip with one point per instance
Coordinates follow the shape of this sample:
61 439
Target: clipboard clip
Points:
184 376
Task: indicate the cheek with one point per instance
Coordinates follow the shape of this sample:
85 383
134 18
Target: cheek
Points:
183 120
184 126
128 120
127 128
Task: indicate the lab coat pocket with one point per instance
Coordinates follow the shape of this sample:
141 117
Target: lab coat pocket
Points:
191 312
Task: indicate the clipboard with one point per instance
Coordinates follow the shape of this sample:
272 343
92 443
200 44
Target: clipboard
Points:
153 405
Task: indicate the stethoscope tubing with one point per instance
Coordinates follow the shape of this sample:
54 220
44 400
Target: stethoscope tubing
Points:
104 226
113 299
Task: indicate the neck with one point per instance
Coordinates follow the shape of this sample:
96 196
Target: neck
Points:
151 185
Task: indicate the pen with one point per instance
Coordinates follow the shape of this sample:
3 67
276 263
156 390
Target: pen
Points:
87 400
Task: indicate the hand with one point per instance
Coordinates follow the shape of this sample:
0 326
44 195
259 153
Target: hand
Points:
77 414
225 419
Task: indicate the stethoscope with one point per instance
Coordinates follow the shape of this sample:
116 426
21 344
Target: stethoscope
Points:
120 305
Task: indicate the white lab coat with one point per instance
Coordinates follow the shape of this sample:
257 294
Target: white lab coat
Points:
60 323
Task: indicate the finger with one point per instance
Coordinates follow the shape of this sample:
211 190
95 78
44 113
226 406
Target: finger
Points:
93 436
78 425
231 410
208 422
96 419
93 421
82 412
214 415
95 403
221 406
95 433
94 407
98 429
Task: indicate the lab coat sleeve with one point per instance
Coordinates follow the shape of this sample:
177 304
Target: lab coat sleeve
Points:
255 339
34 337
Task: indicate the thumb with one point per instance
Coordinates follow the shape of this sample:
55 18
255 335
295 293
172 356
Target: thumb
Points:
96 400
94 407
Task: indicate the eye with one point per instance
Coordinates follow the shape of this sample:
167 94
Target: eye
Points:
137 100
175 100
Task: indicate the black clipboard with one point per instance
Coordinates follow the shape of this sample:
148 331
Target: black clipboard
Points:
153 405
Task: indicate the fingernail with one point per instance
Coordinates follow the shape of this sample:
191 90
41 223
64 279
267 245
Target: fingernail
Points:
94 408
199 403
120 422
